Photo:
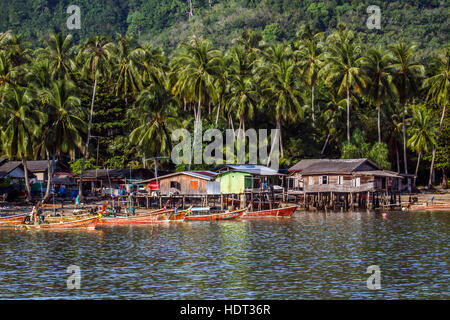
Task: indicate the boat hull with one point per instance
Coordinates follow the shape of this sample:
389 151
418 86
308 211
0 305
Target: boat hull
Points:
152 217
89 223
430 208
219 216
12 220
279 212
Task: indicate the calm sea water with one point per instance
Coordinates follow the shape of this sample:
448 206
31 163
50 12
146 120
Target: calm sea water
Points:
310 256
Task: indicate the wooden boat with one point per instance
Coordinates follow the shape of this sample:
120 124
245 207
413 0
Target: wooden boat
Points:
444 207
214 216
159 215
12 220
88 223
256 204
278 212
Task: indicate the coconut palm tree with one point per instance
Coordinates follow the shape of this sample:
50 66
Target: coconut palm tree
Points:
59 52
63 130
343 67
21 126
156 117
423 129
380 86
197 65
309 59
438 85
242 98
280 93
406 72
124 57
95 54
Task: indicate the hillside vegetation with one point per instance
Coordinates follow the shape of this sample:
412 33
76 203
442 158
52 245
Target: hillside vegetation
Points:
168 22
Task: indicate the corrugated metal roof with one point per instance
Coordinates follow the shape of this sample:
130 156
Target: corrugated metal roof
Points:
254 169
337 166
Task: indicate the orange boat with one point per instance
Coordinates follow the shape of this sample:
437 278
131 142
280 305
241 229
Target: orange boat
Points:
445 207
215 216
161 215
88 223
12 220
278 212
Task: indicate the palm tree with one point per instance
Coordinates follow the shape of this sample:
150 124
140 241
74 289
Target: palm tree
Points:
422 129
438 85
59 52
242 98
197 65
380 87
196 68
64 126
406 73
310 59
280 91
124 57
342 67
21 127
155 114
95 53
8 72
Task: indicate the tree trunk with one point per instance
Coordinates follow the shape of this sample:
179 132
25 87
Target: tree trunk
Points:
430 181
191 9
49 178
444 180
418 162
348 113
27 182
405 159
398 157
80 186
218 112
325 144
313 88
379 122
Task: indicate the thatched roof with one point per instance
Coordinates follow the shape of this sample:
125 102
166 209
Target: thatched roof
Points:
117 174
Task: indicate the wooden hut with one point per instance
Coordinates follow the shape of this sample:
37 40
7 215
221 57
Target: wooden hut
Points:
186 183
355 180
239 179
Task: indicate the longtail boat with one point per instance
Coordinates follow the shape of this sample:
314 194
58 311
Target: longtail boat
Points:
88 223
214 216
278 212
159 215
256 204
12 220
445 207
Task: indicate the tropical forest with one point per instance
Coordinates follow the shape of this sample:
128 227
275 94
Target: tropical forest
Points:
110 94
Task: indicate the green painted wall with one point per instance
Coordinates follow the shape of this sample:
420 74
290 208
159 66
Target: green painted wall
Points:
234 182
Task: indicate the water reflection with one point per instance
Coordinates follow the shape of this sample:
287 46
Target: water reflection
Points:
310 256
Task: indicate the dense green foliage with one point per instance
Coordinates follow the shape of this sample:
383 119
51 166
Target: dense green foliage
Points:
332 94
167 23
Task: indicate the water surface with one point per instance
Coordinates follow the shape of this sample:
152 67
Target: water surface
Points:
309 256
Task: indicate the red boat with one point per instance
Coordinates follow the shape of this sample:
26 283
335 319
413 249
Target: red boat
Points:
12 220
256 204
215 216
278 212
